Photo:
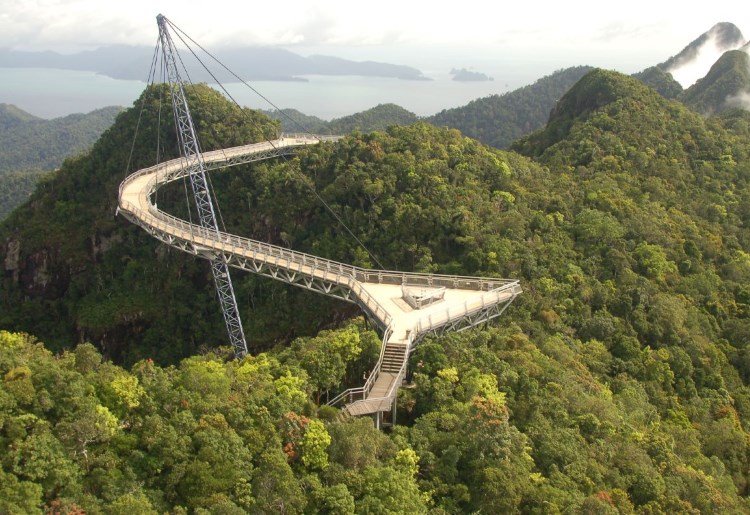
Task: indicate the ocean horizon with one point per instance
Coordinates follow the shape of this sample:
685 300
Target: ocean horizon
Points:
51 93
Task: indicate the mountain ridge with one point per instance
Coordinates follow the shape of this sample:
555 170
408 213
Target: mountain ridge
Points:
728 78
726 36
34 146
252 63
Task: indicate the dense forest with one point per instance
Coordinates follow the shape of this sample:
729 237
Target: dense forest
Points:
32 146
617 382
36 143
16 188
498 120
377 118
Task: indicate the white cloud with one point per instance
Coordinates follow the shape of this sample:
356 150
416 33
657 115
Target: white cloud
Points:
740 100
689 72
575 27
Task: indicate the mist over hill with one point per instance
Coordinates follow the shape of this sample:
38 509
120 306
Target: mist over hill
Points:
693 62
726 86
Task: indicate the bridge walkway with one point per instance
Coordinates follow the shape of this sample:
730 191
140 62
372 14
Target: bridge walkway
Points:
443 302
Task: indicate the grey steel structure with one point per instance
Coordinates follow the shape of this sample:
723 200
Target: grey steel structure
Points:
404 306
463 301
196 170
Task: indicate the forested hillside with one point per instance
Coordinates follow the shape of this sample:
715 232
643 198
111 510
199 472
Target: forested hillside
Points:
74 272
16 188
32 146
723 87
377 118
498 120
293 120
617 382
35 143
661 81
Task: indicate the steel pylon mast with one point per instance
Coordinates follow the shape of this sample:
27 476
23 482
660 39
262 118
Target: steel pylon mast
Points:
196 167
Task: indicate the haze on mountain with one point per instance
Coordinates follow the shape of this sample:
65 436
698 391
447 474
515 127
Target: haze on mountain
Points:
250 63
726 86
694 60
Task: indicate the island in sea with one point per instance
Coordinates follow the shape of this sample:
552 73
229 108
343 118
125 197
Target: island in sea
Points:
469 76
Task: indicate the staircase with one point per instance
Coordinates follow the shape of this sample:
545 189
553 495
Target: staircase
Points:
393 357
379 392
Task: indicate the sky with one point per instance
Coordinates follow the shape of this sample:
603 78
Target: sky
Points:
625 35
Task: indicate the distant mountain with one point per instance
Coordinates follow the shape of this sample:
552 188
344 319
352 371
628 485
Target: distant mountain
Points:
498 120
293 120
726 84
464 75
31 142
11 116
595 90
327 65
661 81
693 61
250 63
378 118
32 146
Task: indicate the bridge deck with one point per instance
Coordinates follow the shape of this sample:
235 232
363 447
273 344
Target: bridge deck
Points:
378 292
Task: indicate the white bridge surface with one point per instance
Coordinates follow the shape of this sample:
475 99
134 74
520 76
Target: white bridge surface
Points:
465 302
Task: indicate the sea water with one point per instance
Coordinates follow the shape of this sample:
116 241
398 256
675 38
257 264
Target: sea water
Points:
50 93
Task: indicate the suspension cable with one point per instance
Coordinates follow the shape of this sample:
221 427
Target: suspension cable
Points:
151 74
243 81
306 181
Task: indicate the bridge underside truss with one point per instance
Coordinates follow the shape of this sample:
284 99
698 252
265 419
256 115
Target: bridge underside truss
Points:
278 271
459 302
470 320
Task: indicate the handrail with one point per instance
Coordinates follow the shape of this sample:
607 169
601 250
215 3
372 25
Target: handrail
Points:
349 278
490 298
391 394
370 382
163 175
344 276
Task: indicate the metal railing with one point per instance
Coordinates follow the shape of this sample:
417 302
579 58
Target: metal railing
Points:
328 270
225 154
385 402
422 297
363 391
350 277
452 312
305 264
165 172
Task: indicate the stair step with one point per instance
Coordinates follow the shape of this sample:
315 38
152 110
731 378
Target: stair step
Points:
393 358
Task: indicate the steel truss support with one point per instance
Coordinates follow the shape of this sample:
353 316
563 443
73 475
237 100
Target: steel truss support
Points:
470 320
195 168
